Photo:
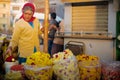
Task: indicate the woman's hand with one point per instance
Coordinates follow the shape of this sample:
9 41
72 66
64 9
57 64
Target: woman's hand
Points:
8 52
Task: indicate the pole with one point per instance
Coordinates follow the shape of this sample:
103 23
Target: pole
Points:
46 24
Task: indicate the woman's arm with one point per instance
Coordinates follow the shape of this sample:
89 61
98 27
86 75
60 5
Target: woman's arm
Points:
14 41
15 36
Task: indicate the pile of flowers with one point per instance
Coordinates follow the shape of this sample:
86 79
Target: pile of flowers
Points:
65 66
39 66
89 66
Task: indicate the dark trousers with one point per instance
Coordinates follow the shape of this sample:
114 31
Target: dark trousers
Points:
56 48
50 43
21 60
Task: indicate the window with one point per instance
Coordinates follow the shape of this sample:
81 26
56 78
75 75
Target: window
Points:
4 15
4 25
15 8
4 5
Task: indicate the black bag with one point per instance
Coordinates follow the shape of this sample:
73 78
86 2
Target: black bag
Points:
51 34
76 47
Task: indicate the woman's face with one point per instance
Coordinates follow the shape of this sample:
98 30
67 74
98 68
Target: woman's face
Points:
27 15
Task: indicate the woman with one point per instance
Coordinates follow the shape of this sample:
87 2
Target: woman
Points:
26 34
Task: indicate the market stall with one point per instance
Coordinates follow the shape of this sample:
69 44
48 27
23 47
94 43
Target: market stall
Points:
61 66
80 62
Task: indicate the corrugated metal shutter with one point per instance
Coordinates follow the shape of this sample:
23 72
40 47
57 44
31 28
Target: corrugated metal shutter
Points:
90 17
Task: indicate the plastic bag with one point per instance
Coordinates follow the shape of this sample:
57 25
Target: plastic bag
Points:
37 73
18 68
66 69
111 70
89 72
13 76
89 66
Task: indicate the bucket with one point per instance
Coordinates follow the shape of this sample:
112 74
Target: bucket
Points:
8 65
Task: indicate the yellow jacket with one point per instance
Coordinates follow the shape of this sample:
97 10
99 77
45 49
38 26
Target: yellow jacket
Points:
26 37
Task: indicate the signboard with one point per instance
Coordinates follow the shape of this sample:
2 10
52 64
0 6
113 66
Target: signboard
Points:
72 1
5 0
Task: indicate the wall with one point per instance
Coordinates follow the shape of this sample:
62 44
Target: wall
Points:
101 48
111 18
105 49
68 18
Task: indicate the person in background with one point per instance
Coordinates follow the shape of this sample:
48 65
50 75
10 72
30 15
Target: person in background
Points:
52 30
26 34
58 43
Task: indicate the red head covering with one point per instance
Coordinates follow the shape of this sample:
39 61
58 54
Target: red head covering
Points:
33 9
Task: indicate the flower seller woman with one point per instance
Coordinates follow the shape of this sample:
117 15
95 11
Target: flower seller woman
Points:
26 34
